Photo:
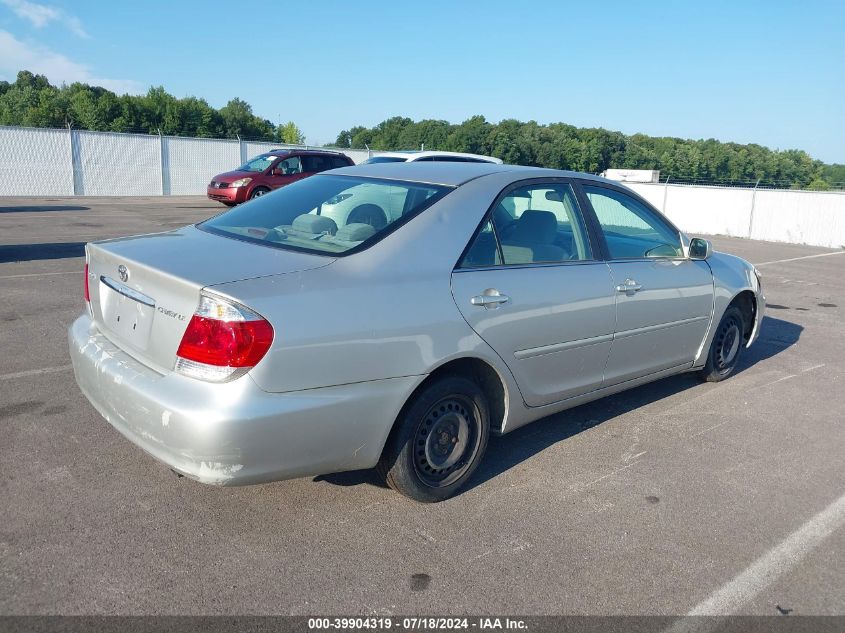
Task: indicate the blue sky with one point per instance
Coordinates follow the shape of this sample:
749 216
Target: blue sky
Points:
771 73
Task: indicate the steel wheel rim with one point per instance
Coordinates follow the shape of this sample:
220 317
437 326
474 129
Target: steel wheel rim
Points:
446 441
728 343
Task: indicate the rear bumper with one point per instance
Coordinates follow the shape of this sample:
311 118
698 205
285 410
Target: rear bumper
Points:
235 433
229 195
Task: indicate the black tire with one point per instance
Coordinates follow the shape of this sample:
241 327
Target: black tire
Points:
258 192
726 348
438 440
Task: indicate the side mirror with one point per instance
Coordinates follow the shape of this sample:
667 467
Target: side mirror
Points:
700 248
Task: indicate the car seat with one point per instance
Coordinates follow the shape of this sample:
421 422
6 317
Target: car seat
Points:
532 238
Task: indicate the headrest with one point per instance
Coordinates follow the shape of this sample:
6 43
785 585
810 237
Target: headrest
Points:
373 212
317 224
535 227
355 232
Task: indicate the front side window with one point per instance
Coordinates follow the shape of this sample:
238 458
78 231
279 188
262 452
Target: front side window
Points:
631 230
289 166
326 214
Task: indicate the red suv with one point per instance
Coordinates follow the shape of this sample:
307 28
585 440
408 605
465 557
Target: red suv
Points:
272 170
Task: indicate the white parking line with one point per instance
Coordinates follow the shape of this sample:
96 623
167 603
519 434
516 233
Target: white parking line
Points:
64 272
35 372
795 259
765 570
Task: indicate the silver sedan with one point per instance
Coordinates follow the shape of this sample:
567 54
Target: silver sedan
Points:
290 336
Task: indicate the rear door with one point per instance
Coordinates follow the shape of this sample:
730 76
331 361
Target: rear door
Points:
315 163
664 300
531 286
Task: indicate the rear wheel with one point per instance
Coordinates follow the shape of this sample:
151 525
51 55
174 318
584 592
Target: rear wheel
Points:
258 192
438 441
726 347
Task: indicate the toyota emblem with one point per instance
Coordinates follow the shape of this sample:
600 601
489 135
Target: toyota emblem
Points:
124 274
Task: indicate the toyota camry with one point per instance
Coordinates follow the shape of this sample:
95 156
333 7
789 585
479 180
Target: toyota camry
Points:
282 338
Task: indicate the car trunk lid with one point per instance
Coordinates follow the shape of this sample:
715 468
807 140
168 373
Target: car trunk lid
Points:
144 289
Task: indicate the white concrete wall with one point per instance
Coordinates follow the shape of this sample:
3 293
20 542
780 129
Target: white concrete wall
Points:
779 215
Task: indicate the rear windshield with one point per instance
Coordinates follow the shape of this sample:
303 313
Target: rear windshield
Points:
326 214
384 159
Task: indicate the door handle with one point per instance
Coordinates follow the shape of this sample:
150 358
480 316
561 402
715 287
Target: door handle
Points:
490 299
629 286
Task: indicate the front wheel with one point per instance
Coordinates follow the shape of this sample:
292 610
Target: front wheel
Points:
438 441
726 347
258 192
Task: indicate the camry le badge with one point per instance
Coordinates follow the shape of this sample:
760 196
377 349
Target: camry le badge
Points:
123 273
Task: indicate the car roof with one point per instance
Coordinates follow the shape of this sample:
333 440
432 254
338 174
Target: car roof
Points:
291 150
454 174
417 154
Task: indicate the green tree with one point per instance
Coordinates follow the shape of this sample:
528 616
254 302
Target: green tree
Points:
31 101
290 133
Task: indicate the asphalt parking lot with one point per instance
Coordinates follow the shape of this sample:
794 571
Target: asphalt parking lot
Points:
649 502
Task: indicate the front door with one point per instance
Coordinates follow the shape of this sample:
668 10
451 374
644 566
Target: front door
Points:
530 286
664 301
286 171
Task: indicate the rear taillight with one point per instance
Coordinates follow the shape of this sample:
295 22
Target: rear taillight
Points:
87 294
223 341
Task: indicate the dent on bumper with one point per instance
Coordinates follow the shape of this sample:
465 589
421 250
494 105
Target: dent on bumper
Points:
235 433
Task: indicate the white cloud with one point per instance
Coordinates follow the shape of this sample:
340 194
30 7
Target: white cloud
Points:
40 15
16 55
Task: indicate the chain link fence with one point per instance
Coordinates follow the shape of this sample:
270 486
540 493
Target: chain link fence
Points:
51 162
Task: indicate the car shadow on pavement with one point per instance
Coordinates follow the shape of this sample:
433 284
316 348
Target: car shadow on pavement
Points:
32 252
506 452
37 208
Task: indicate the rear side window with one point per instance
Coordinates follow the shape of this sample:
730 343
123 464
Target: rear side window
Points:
316 163
326 214
384 159
484 250
534 224
339 161
458 159
631 230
